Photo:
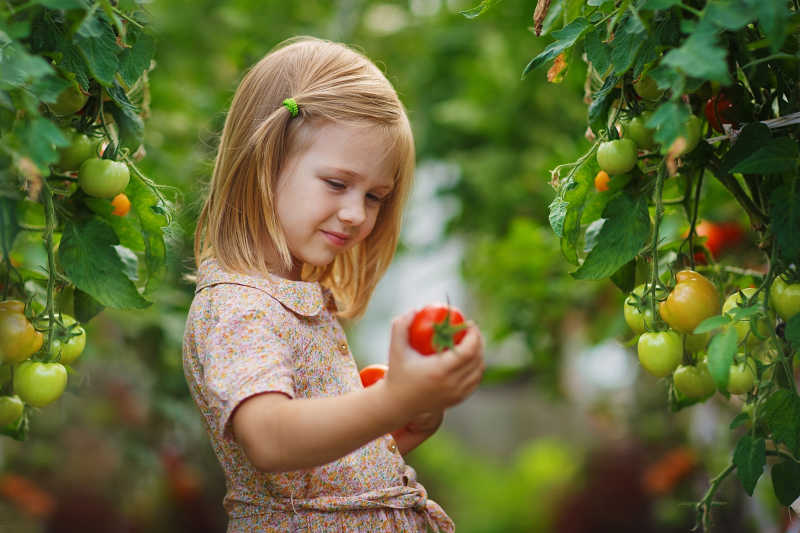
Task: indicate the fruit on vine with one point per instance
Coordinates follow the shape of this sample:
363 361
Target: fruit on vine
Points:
719 236
71 347
371 374
39 384
697 342
81 147
11 408
693 299
694 381
436 327
720 110
103 178
69 101
601 181
693 129
660 352
742 377
18 338
785 298
29 253
121 205
617 156
742 326
636 130
647 88
639 319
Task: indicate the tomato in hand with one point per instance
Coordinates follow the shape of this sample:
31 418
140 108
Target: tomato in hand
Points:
18 338
601 181
11 408
694 381
103 178
39 384
617 156
371 374
121 205
435 328
636 130
785 298
693 299
660 352
81 148
742 326
742 377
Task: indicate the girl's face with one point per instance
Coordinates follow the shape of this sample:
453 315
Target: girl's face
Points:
329 196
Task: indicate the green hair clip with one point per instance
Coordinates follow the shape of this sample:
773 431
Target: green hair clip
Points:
291 105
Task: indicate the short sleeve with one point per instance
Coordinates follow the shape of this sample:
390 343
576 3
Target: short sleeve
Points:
244 356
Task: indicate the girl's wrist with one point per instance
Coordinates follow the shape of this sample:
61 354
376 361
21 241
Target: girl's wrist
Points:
400 404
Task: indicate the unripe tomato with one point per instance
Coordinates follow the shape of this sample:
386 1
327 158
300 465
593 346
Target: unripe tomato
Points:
436 327
697 342
371 374
18 339
694 381
693 299
601 181
39 384
121 204
636 130
72 347
617 156
742 377
11 408
103 178
70 101
743 326
660 352
639 320
785 298
81 148
693 127
647 88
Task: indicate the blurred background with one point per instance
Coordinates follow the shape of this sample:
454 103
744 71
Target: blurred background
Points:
564 435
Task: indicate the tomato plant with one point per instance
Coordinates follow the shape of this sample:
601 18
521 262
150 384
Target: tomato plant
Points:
371 374
744 326
74 79
435 328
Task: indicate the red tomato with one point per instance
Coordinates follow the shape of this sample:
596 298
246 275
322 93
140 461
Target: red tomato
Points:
720 111
435 328
372 373
719 237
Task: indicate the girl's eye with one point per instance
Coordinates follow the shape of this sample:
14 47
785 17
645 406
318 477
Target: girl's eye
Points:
337 185
375 198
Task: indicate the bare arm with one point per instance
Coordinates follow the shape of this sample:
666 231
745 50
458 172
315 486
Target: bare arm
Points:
417 431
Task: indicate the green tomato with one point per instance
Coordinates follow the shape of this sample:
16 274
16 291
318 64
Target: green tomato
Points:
39 384
11 408
694 381
647 88
697 342
617 156
5 374
785 298
103 178
72 347
81 148
693 129
742 377
70 101
636 130
661 352
743 326
639 320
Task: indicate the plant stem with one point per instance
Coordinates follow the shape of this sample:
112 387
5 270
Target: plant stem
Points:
757 218
703 507
662 172
50 226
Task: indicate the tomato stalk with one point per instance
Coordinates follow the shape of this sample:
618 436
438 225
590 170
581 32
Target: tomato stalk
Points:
654 281
703 507
50 226
444 333
694 212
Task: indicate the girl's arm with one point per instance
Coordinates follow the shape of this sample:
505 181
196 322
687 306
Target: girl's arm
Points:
417 431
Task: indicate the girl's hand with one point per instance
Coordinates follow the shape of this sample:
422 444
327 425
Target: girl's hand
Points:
418 430
432 383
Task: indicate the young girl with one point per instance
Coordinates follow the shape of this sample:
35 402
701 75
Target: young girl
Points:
303 215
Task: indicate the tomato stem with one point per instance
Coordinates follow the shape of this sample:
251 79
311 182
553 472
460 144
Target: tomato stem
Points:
50 226
662 172
703 507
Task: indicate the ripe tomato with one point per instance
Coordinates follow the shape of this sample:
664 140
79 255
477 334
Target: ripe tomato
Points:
122 205
719 111
81 148
785 298
636 130
693 299
660 352
103 178
70 101
694 381
617 156
719 237
71 346
18 339
743 326
11 408
647 88
435 328
639 319
742 377
39 384
601 181
372 373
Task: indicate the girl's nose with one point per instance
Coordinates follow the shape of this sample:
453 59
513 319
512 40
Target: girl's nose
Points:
353 212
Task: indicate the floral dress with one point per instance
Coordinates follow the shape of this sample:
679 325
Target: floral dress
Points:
246 335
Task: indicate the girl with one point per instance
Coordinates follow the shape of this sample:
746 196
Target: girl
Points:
302 218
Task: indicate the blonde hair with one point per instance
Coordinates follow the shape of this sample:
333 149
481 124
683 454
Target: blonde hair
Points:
329 82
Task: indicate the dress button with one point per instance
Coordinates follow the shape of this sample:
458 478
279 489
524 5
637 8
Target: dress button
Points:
392 445
343 348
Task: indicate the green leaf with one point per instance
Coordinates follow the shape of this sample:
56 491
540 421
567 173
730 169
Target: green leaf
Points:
625 277
712 323
750 140
100 54
750 457
772 18
786 481
135 60
792 330
721 351
131 126
147 208
62 4
597 51
781 413
780 155
41 138
479 9
601 103
625 232
784 211
700 56
90 261
565 38
47 88
626 44
738 420
669 121
558 211
728 14
18 67
659 4
126 228
86 307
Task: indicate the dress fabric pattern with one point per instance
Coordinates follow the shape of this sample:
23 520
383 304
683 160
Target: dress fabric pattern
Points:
247 335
